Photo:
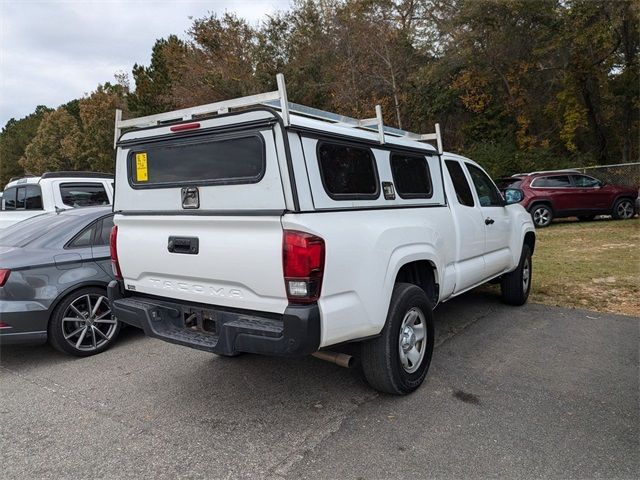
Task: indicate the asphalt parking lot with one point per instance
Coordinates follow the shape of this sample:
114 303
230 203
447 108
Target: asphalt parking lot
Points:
525 392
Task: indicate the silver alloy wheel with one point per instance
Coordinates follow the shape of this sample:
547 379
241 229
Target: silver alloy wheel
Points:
542 216
412 342
87 323
526 275
625 209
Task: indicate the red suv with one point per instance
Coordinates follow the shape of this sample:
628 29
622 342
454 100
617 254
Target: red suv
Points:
549 195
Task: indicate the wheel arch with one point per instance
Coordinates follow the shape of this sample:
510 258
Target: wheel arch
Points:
417 264
530 240
547 202
72 289
423 274
622 196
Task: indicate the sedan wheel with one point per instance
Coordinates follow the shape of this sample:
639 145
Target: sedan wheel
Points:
83 323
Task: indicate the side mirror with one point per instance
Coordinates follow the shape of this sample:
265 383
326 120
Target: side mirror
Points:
513 195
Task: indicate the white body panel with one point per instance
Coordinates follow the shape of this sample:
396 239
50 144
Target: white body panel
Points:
367 241
365 249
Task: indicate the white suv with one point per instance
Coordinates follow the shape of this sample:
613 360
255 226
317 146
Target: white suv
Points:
26 197
285 230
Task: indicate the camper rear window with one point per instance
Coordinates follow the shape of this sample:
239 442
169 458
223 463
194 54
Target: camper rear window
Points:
205 162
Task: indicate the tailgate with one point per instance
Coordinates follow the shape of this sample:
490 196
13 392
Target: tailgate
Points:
238 264
198 213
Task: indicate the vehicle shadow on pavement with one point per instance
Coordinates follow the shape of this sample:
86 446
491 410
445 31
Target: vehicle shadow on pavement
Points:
450 318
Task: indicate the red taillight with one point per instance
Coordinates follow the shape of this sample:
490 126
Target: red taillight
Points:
4 276
184 126
113 241
303 265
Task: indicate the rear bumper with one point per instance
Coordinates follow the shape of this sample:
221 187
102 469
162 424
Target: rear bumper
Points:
218 330
23 326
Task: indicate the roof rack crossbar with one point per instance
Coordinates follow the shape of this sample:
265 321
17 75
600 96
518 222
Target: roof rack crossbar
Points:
276 99
224 106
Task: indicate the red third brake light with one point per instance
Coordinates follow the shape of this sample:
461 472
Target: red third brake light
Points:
113 242
184 126
4 276
303 265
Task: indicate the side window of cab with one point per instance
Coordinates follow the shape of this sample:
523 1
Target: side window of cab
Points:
488 193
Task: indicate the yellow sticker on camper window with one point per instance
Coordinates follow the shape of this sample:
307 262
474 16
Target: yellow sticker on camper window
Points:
142 174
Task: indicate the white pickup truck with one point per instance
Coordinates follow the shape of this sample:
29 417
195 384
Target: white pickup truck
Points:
26 197
284 230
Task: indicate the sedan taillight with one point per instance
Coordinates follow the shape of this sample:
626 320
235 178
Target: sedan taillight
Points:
4 276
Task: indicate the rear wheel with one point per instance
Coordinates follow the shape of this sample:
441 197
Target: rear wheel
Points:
515 286
398 360
541 215
623 209
83 324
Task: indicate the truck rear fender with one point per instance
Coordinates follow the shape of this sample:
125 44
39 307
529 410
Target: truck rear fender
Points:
523 232
404 255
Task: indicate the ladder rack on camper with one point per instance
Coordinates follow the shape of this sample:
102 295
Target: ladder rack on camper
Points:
277 99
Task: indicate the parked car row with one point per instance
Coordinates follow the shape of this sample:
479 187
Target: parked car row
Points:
560 194
55 264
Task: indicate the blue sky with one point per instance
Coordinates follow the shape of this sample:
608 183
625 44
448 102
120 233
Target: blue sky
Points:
54 51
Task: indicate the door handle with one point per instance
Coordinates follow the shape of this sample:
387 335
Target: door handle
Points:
187 245
489 221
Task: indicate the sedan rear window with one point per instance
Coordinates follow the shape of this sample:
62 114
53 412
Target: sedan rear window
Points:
26 231
210 161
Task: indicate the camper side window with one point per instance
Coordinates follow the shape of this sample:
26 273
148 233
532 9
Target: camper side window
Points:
348 172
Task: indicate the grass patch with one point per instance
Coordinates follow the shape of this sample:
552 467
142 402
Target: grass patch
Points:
593 265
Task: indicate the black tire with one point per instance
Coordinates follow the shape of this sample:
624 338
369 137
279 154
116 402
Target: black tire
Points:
542 215
623 209
381 357
100 321
586 218
515 291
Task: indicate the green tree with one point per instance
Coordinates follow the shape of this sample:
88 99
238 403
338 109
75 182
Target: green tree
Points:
95 147
14 138
55 146
153 84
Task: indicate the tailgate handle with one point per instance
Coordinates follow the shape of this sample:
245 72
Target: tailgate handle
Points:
188 245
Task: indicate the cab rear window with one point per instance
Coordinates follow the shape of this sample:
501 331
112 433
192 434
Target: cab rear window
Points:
204 162
83 194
